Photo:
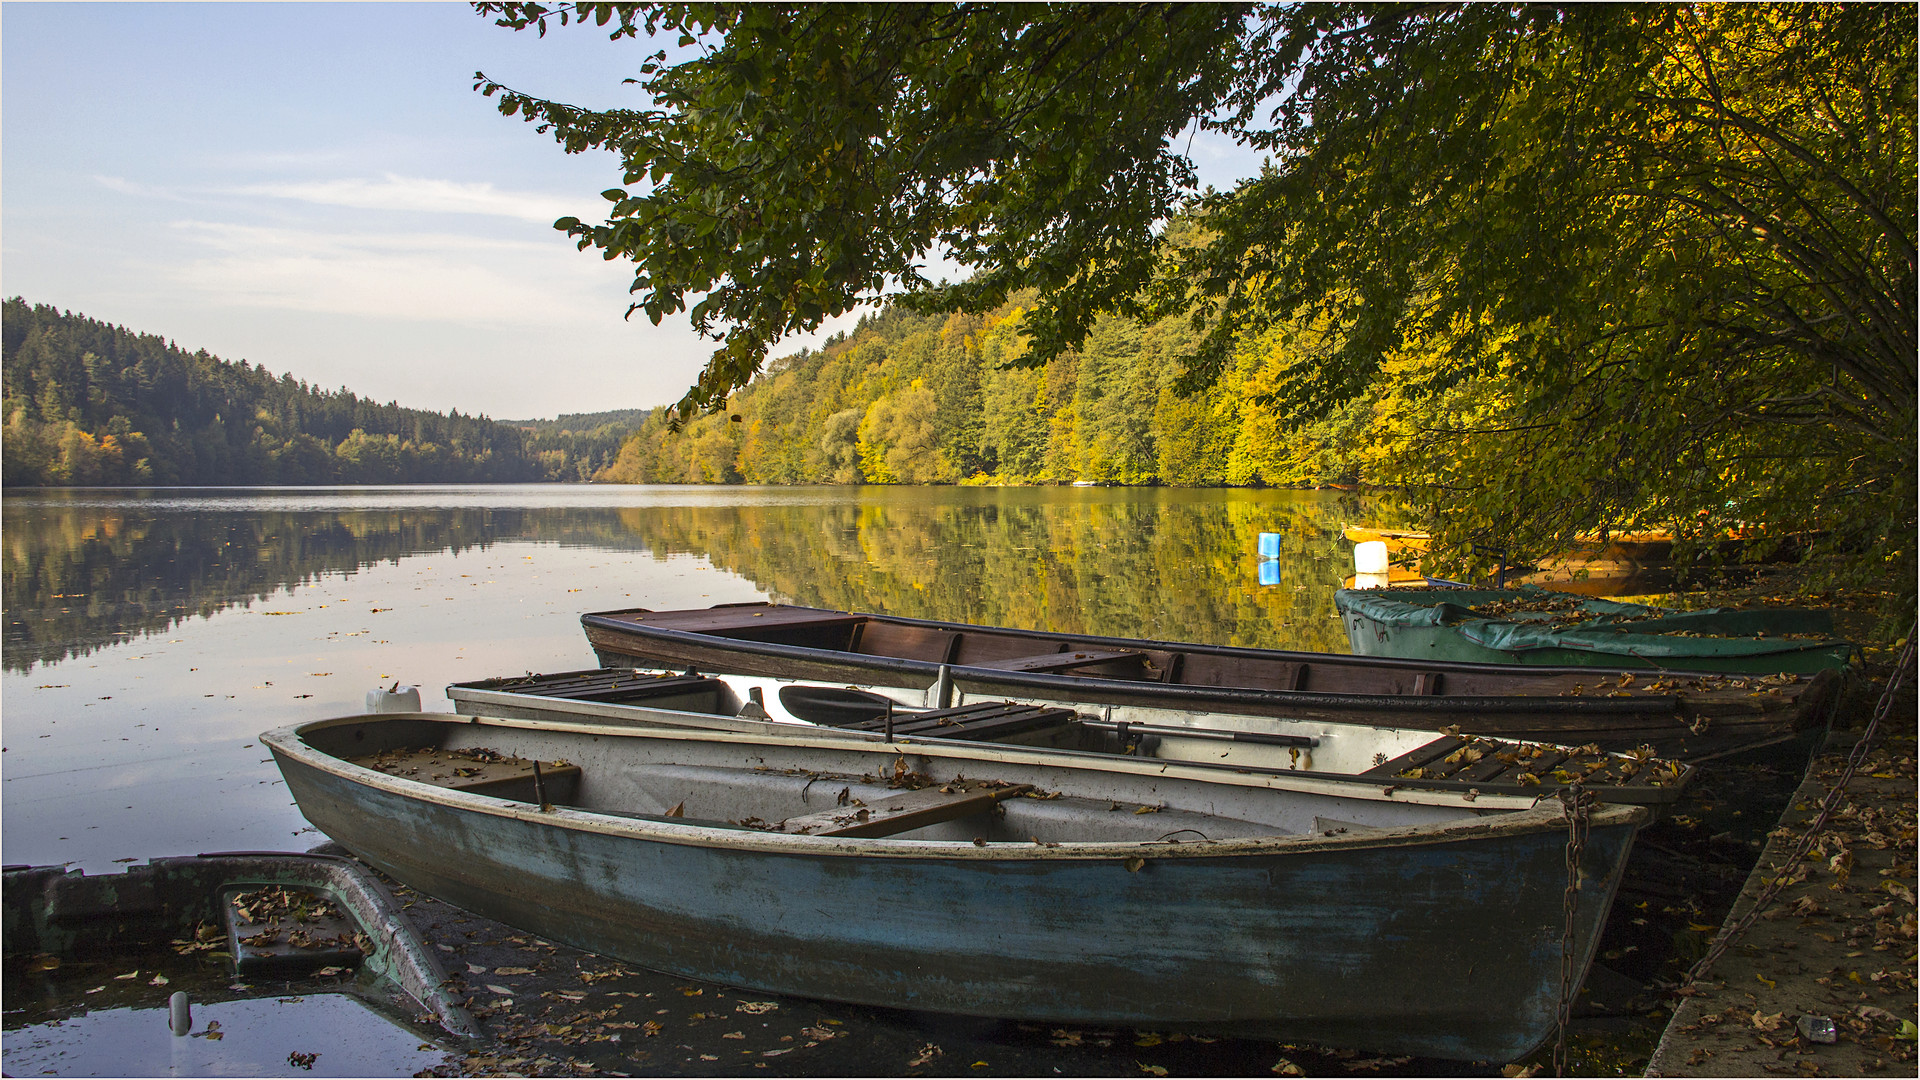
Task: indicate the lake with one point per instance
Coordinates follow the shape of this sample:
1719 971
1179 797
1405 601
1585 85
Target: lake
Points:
152 635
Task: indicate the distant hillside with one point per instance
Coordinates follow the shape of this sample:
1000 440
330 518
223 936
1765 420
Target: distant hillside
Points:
577 422
579 446
86 402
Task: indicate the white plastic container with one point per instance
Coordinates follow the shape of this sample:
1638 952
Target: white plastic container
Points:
395 698
1370 557
1370 581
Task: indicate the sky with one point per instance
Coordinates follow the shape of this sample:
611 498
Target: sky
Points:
317 189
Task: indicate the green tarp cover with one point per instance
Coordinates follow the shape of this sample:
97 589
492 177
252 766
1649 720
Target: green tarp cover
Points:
1650 633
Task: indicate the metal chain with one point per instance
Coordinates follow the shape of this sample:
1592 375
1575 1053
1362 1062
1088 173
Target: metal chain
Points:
1577 802
1783 875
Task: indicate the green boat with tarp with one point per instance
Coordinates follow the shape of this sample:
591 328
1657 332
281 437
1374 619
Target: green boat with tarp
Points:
1538 626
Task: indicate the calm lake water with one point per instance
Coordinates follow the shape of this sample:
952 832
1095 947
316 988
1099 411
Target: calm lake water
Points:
152 635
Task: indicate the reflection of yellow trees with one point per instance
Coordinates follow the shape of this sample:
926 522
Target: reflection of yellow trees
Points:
1179 565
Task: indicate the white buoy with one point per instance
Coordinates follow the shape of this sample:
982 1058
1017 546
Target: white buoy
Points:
1370 557
1370 581
179 1014
395 698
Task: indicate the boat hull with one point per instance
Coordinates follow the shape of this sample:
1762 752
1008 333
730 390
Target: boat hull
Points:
1438 940
1512 701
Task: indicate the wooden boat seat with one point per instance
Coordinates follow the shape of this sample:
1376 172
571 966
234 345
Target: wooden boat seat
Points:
881 638
1472 760
1063 661
903 811
494 775
985 721
616 686
743 620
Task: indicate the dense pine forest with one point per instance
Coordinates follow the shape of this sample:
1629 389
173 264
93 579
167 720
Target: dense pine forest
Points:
87 402
909 398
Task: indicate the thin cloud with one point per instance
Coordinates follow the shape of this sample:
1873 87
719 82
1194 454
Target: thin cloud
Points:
430 277
418 195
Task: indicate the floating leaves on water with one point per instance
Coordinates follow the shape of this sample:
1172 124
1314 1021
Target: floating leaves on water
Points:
1283 1067
1769 1021
43 962
1152 1070
1148 809
301 1060
755 1008
926 1054
1135 864
508 970
158 980
734 1035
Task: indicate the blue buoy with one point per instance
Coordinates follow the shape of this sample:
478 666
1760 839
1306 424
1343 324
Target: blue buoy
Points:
1269 545
1270 572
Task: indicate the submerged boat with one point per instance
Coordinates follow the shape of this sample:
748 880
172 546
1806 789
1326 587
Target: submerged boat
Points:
986 881
340 916
1686 717
1538 626
1453 761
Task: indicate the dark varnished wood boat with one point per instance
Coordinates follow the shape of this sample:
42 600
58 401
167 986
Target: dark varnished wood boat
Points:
1682 715
986 880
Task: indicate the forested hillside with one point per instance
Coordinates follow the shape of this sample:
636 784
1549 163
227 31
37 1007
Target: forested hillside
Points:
86 402
910 398
575 446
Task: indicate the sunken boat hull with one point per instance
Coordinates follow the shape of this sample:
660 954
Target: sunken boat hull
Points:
1270 908
1691 716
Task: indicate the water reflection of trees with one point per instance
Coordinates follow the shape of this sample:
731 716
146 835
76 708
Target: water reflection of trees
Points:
1160 563
1137 563
77 578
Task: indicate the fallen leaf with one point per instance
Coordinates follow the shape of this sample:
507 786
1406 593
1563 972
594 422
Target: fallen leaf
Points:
510 970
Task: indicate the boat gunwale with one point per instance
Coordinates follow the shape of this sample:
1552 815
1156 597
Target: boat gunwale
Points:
290 742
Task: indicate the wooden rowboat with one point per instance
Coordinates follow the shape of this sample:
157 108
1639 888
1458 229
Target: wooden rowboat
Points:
985 881
1686 717
1454 762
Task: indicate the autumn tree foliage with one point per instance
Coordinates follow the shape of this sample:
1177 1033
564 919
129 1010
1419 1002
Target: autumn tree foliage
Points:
1559 267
